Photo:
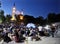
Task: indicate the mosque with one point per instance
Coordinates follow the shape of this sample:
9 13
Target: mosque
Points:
14 13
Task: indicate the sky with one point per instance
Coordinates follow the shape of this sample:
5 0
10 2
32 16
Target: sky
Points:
32 7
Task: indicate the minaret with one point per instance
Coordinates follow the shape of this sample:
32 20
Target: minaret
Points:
22 12
13 13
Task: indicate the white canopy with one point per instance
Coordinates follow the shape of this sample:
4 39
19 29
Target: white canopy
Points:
30 25
47 27
40 28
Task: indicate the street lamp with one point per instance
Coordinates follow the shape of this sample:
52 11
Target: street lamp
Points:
21 17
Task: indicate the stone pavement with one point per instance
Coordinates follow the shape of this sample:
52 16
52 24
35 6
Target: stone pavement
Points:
58 34
45 40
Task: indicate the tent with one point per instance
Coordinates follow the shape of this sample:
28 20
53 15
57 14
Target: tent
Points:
29 25
47 27
40 28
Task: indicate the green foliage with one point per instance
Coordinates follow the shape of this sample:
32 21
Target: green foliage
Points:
31 19
2 17
8 18
51 18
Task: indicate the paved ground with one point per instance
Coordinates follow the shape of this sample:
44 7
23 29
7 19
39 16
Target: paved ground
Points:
45 40
58 34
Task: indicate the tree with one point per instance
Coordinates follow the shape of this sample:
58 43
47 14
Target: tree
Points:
51 18
40 20
29 19
57 18
2 17
8 18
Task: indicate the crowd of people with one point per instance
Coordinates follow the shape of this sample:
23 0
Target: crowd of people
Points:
17 33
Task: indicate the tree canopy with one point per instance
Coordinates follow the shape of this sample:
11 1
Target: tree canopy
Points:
51 18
